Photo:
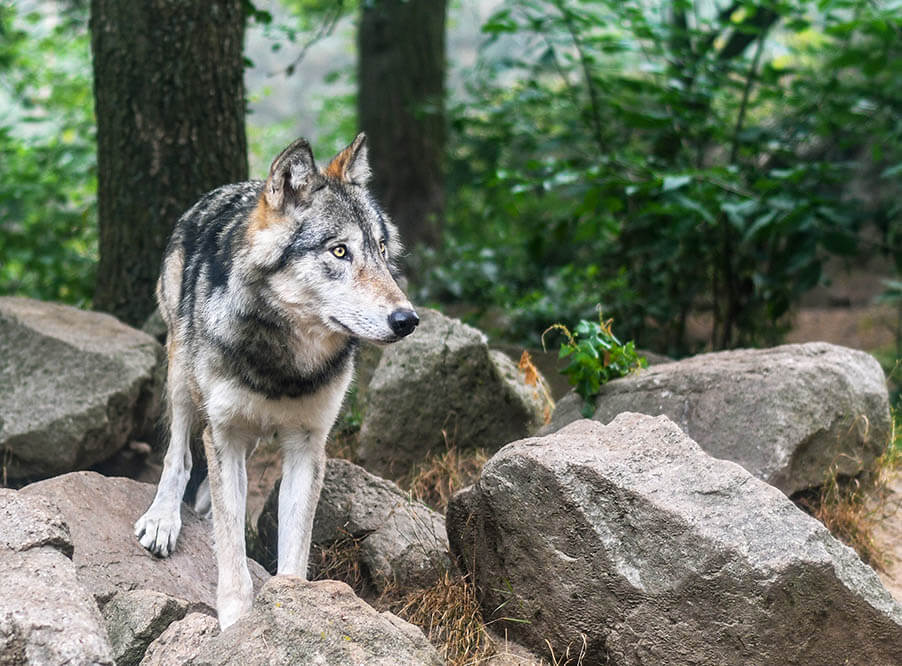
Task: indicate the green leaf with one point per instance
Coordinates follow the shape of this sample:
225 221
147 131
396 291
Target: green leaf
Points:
671 183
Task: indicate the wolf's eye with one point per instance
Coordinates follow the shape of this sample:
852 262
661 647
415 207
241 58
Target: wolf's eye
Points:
340 251
383 249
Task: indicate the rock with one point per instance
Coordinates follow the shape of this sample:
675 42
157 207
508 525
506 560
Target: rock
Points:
75 386
101 513
46 615
181 641
631 536
442 387
32 522
786 414
136 618
401 541
296 622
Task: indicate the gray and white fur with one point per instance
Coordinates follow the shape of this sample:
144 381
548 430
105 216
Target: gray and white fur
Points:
266 289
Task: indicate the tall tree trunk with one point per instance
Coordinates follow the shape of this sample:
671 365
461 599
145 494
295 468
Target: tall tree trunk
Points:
169 95
401 72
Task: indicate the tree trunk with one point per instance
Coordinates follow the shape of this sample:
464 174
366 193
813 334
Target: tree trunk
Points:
401 72
169 95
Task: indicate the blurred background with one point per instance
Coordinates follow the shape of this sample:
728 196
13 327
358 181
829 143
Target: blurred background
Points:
709 174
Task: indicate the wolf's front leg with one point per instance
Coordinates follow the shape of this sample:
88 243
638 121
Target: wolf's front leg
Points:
226 450
303 465
159 527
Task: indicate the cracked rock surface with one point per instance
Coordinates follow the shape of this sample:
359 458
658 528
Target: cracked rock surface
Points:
46 614
631 537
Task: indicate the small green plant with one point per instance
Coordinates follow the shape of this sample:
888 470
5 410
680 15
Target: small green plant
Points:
596 357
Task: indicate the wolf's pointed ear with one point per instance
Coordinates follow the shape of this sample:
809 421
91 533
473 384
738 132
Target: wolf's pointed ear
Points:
351 164
291 174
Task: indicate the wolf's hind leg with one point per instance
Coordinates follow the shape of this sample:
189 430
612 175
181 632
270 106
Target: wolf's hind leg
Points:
158 529
303 465
226 450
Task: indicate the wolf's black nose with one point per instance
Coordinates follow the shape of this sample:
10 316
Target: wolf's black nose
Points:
403 322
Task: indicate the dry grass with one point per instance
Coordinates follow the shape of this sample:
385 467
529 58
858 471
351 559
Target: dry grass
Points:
341 560
440 475
449 615
851 508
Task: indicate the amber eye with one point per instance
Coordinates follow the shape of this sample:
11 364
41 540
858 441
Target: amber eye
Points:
340 251
383 249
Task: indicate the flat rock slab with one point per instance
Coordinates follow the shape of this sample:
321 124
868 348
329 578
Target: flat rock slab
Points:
101 513
296 622
631 536
74 386
46 615
401 541
441 387
786 414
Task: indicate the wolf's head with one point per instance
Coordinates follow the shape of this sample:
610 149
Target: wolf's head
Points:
326 249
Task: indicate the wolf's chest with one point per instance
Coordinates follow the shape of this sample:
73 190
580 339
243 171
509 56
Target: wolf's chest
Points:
266 363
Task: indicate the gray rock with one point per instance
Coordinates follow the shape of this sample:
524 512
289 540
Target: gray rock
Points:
136 618
631 536
402 542
31 522
181 641
786 414
75 386
442 386
101 513
296 622
46 615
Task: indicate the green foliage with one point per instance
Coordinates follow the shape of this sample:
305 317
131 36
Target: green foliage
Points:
667 159
596 357
48 244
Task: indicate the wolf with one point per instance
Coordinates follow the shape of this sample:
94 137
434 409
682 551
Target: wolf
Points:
266 289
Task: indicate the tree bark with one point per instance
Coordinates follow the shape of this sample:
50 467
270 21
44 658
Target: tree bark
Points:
401 72
169 96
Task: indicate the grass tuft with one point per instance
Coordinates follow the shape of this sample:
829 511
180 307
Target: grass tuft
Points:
341 560
851 508
440 475
449 614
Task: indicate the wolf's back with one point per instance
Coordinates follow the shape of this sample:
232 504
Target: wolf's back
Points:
199 256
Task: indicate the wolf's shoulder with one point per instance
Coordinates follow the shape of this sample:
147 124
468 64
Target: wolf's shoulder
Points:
221 205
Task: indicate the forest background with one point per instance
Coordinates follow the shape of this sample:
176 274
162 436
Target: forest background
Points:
662 160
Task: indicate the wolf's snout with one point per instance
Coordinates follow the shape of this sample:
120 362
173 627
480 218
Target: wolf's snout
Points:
402 322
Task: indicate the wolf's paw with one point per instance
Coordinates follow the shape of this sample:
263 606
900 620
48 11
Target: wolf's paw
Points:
158 531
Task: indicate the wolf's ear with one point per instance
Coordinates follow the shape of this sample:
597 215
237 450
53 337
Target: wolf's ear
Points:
292 173
351 164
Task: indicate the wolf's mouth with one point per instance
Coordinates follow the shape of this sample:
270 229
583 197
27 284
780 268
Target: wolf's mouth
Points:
346 329
379 340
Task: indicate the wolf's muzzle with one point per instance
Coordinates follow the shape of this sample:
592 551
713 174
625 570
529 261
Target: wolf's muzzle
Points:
402 322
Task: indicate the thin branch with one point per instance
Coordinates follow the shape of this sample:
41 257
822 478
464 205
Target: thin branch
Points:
326 29
746 93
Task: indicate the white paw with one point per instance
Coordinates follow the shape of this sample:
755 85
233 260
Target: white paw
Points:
158 530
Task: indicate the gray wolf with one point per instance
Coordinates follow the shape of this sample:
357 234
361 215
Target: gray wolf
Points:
266 289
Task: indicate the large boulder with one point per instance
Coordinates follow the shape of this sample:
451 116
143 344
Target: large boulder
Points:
101 513
632 538
440 387
787 414
400 541
295 622
46 615
75 386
